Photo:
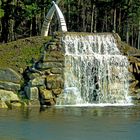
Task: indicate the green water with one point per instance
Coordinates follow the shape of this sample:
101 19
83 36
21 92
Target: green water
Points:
71 123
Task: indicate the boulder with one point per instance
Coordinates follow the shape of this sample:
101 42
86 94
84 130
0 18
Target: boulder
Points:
8 74
138 96
9 86
32 93
46 94
3 104
57 91
48 65
32 76
8 95
54 56
134 84
57 71
54 82
35 103
50 102
38 81
16 104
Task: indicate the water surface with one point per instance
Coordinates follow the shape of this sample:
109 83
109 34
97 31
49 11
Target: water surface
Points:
71 123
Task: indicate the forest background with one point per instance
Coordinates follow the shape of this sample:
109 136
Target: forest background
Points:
24 18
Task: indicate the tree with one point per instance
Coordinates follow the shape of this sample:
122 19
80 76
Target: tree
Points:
23 18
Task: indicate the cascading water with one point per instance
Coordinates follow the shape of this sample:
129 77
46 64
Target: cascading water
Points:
95 71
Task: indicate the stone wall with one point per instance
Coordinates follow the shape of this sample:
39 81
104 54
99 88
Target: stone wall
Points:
133 55
134 69
44 80
10 85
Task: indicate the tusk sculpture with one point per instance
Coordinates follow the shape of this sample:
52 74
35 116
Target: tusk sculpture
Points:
48 18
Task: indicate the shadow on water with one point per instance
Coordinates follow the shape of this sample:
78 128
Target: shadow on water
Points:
71 123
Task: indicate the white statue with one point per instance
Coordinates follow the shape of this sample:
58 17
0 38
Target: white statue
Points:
48 18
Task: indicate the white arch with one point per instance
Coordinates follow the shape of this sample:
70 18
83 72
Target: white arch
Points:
48 18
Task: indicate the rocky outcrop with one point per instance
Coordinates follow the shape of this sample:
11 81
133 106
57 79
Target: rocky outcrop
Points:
134 69
10 85
7 74
44 80
133 55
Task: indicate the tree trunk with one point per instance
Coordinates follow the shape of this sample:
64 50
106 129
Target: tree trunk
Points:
95 20
119 22
33 27
127 32
132 38
11 31
5 29
79 15
92 16
106 21
83 16
41 17
114 20
68 14
139 36
5 23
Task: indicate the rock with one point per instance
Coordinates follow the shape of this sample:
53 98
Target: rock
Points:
48 65
38 81
21 70
3 104
56 71
35 103
8 95
133 59
9 86
128 50
32 76
54 56
9 75
46 94
130 68
51 47
133 85
16 104
49 102
32 93
57 91
52 44
54 82
138 96
131 78
47 72
49 85
49 59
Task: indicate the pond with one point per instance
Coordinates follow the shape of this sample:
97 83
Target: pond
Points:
71 123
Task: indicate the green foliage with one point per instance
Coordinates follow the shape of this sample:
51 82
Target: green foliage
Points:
80 15
1 10
1 13
30 10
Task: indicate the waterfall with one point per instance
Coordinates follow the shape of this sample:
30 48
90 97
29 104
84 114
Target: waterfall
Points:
95 71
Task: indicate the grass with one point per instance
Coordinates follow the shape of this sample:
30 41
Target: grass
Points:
19 54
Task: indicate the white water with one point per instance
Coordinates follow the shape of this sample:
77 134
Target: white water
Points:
95 71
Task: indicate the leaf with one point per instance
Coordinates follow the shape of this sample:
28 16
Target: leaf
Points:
1 13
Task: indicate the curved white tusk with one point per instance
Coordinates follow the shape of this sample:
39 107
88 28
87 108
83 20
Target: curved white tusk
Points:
48 18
